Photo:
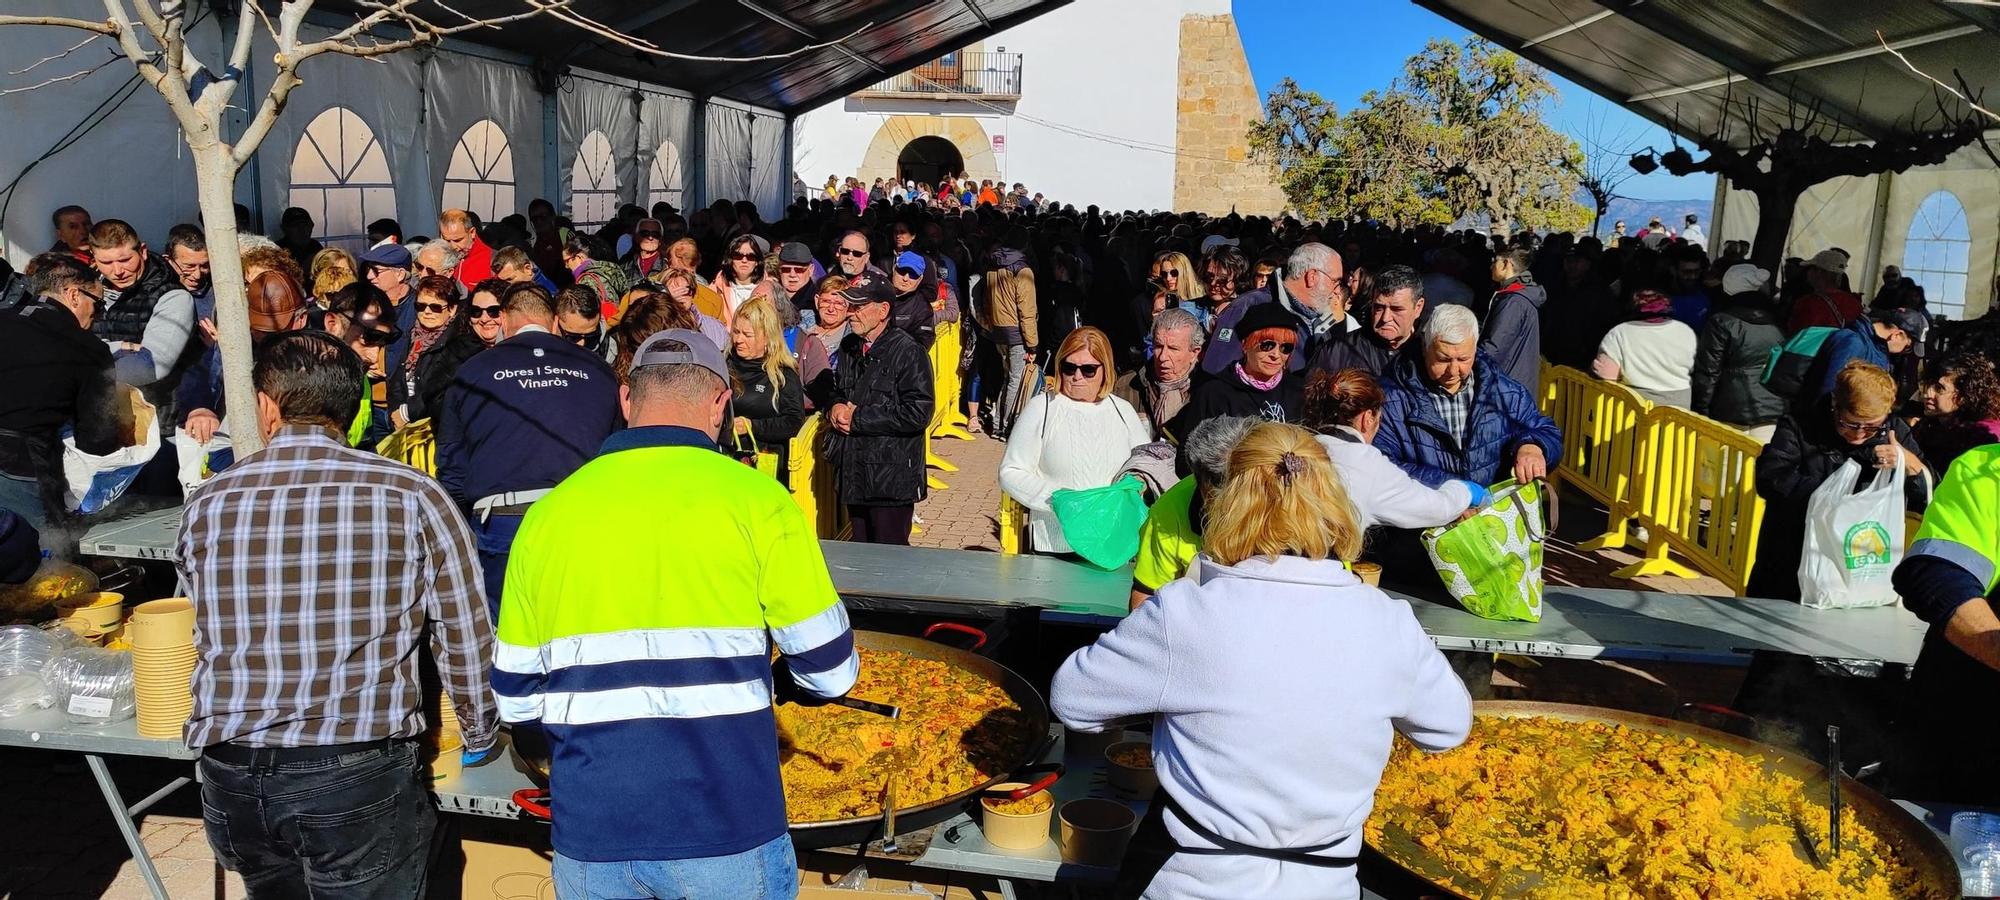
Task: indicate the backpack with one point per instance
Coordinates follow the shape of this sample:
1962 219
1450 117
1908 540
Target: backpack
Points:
608 279
1785 372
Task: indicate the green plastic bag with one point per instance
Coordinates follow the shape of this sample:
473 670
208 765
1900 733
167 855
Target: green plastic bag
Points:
1492 562
1102 524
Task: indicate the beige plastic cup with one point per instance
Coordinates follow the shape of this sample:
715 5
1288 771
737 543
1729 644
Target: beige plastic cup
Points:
1017 831
162 681
448 736
1094 831
103 609
162 624
1137 781
1369 573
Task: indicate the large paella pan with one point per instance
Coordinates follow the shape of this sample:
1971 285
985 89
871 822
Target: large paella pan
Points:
967 723
1551 800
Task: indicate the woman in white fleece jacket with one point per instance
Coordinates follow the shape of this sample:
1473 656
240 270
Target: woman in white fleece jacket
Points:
1079 437
1276 680
1345 409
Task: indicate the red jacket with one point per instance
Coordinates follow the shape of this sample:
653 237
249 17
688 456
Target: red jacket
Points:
477 265
1833 309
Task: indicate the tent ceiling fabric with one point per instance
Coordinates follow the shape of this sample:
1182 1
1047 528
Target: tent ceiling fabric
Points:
898 35
1698 66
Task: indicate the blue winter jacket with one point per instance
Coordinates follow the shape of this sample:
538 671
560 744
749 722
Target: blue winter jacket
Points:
1855 342
1504 416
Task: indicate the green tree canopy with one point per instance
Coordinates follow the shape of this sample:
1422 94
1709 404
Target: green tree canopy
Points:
1460 131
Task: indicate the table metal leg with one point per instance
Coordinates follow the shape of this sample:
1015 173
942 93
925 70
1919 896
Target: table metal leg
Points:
121 815
1007 889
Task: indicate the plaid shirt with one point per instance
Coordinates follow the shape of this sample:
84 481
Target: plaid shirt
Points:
1454 409
316 571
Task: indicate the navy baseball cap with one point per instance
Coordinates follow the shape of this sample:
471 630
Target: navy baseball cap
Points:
394 256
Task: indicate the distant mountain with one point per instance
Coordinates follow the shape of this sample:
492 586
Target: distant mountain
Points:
1637 213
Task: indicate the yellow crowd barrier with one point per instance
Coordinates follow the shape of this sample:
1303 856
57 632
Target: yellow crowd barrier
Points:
814 481
1696 495
414 445
950 421
1013 526
1601 423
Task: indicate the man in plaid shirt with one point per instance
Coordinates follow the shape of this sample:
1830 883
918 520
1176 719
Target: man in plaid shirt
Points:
318 573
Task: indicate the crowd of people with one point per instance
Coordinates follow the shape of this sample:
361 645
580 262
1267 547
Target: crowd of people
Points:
1294 395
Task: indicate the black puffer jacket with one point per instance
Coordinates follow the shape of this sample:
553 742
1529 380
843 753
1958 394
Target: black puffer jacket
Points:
1803 453
881 458
422 390
1729 359
775 411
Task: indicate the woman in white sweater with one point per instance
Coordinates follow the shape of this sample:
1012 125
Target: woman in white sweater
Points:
1275 679
1653 354
1078 437
1345 409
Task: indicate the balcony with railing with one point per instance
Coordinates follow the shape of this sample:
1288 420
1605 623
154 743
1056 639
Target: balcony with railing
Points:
965 75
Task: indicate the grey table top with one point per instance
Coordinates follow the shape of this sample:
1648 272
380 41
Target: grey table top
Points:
1582 623
50 729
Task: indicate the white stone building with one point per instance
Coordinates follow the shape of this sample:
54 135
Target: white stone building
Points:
1128 104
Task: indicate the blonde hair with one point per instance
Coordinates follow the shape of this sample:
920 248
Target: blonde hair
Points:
1192 287
1262 511
1864 391
331 258
1095 343
762 315
693 252
330 280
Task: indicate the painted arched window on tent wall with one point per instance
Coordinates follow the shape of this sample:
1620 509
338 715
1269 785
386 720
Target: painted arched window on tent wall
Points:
341 176
1938 253
593 183
663 181
480 176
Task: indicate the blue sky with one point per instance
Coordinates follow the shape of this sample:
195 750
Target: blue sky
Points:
1354 46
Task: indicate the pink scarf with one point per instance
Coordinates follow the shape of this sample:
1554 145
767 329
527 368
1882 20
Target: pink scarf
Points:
1259 385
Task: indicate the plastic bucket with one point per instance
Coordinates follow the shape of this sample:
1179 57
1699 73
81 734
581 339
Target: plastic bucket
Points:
1017 831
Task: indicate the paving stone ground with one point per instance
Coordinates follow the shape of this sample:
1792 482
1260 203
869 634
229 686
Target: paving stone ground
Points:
60 842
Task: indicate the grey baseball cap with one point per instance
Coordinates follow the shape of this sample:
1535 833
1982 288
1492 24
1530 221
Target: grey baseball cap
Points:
700 352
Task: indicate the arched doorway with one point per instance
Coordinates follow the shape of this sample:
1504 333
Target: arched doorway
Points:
929 159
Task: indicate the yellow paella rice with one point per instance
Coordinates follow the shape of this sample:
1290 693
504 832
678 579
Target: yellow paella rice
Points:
1543 808
958 730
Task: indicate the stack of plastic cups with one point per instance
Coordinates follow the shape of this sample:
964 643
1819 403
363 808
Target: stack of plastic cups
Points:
162 636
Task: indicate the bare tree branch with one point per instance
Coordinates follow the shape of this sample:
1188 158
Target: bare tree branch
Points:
1962 97
73 76
104 28
53 57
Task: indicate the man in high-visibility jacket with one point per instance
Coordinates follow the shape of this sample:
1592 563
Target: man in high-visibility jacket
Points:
646 659
1948 581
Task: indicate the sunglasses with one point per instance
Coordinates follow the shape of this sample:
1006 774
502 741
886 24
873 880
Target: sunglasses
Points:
908 272
1267 345
795 270
1861 429
648 234
427 270
433 307
1169 273
746 257
1087 370
856 254
485 312
374 335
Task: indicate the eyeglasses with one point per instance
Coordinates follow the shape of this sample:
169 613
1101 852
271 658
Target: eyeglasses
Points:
486 312
908 272
795 270
852 254
1267 345
1087 370
746 257
1860 429
834 300
432 307
428 271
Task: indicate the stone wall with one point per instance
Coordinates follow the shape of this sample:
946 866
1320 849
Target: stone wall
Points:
1217 101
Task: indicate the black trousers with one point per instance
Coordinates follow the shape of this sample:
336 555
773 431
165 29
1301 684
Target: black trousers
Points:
881 524
354 826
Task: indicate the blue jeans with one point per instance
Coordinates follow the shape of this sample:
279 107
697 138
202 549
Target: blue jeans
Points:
25 498
769 872
355 826
496 541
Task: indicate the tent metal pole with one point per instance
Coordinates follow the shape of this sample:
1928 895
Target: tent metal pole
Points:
786 176
1878 223
697 191
551 159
